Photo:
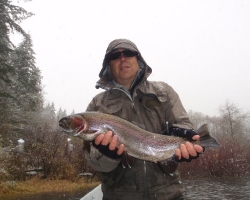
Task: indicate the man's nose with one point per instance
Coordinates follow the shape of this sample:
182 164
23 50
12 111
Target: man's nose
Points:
122 57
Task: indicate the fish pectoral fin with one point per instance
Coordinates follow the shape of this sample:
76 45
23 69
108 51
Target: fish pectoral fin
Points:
127 160
169 165
107 128
91 131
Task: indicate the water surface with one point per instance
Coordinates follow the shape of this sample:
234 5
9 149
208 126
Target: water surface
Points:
224 189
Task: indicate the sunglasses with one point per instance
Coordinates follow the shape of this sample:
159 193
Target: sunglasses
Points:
126 53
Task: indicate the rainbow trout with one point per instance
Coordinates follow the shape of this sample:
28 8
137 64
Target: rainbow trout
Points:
138 143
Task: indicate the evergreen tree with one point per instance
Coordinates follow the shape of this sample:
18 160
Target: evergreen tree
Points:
27 86
11 15
27 82
49 117
20 81
61 113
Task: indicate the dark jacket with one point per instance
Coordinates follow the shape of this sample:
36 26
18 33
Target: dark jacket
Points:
149 105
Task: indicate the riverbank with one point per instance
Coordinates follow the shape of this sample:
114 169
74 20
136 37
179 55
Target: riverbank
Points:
209 188
39 186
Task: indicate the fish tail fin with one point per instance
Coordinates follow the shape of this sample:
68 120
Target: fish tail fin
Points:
206 140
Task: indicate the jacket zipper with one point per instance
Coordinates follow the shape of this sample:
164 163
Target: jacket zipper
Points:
129 96
145 183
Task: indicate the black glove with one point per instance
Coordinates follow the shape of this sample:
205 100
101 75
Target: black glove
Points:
182 132
126 160
106 151
185 133
190 158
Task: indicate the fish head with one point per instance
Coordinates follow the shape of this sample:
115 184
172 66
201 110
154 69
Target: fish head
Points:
73 124
77 126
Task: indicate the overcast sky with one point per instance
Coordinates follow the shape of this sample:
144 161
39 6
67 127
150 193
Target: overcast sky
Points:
200 48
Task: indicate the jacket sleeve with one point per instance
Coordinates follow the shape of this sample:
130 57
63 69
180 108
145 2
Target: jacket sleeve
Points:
95 158
178 112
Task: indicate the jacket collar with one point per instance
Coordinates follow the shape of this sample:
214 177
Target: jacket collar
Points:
107 82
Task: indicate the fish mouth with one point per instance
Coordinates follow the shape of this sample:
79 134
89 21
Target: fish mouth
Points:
63 123
66 127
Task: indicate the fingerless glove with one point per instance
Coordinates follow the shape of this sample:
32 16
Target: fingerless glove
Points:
182 132
185 133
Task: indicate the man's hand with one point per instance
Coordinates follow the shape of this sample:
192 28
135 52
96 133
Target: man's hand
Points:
111 140
186 150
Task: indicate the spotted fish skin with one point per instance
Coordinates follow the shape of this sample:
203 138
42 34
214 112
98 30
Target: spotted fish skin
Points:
138 143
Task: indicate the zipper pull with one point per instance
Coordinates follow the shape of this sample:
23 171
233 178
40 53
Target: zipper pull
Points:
165 131
167 127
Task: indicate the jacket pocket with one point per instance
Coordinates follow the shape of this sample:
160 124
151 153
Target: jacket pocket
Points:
112 103
113 107
155 107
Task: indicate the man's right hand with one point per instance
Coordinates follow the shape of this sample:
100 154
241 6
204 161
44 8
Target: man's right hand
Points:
110 139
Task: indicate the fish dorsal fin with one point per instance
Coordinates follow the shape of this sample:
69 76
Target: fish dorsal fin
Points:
203 130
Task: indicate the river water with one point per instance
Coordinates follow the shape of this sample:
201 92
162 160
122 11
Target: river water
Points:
223 189
203 189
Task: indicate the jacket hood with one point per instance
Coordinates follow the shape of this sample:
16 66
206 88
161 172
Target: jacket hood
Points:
114 45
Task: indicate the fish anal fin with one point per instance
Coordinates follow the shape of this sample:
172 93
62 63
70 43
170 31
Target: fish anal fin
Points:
169 165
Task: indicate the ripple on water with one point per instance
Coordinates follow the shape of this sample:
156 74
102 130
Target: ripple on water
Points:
217 189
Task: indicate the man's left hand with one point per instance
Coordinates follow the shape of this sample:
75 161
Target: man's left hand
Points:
188 150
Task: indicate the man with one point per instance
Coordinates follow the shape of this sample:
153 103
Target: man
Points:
150 105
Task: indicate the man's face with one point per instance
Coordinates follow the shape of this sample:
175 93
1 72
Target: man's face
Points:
124 69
